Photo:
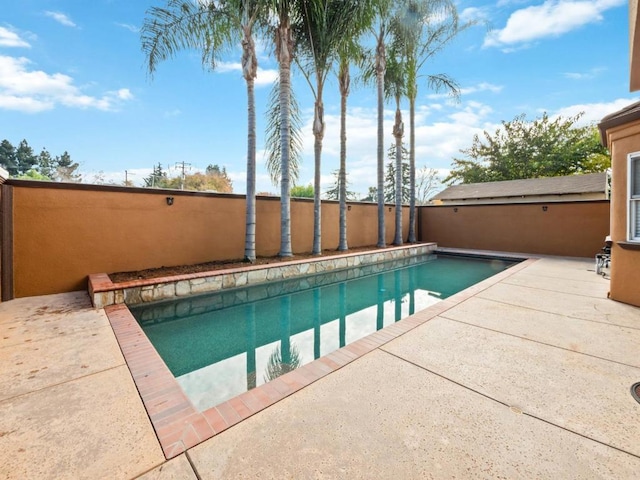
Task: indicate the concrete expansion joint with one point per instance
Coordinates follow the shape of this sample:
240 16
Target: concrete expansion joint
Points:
606 444
57 384
193 467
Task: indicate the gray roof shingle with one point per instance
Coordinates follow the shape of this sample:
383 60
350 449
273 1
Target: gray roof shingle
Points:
572 184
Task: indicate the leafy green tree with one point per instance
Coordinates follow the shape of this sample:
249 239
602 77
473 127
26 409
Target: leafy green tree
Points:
25 158
334 192
211 27
8 157
391 179
201 182
302 191
33 174
66 170
523 149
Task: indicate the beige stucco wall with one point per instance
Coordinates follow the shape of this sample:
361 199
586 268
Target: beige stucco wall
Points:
63 234
571 229
625 259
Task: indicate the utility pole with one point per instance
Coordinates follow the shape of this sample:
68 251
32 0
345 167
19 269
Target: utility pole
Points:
182 166
126 177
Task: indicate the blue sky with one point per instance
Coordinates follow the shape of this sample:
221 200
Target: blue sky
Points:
72 77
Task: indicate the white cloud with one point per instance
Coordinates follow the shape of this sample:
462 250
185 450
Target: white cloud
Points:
9 38
128 26
551 19
61 18
123 94
437 140
264 77
473 14
593 112
34 91
593 73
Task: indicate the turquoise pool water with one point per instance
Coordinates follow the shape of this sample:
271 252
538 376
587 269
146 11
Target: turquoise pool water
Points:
220 345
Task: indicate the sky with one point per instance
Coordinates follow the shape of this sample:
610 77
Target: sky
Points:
73 78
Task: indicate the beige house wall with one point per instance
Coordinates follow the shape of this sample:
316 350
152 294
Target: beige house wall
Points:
625 257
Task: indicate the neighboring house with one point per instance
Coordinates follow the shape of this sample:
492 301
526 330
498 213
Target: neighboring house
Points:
587 187
620 132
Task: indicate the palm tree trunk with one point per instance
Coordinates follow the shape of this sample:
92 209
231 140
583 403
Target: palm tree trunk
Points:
398 131
412 170
318 133
284 60
249 72
342 175
380 69
250 233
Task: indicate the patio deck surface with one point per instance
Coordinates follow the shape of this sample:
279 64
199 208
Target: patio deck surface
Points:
527 378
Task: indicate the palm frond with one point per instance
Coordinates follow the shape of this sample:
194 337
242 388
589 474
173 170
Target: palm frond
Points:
273 137
441 82
185 25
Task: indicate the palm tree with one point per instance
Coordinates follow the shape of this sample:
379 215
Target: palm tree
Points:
323 27
380 29
211 27
282 13
424 29
348 51
395 87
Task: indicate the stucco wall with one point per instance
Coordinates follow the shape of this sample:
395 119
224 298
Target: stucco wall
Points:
570 229
625 259
62 233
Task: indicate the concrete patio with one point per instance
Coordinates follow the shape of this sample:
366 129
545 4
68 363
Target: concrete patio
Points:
527 378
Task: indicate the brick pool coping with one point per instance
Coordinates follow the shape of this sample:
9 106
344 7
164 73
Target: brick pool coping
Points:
180 426
104 292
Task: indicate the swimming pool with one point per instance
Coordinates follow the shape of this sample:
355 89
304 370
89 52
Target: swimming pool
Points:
221 345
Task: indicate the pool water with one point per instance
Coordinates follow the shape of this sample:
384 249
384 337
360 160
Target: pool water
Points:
221 345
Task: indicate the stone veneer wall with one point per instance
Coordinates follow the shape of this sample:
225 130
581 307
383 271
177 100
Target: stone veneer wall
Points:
103 292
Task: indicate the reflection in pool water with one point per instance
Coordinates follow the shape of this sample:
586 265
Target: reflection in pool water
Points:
220 345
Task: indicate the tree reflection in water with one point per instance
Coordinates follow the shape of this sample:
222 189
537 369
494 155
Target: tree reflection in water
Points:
277 366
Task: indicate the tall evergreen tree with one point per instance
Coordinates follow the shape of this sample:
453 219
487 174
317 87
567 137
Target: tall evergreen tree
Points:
46 164
25 158
157 177
8 157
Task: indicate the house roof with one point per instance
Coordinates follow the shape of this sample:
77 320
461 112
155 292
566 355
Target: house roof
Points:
572 184
628 114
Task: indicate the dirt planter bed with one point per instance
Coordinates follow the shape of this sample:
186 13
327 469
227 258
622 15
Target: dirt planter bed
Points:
104 292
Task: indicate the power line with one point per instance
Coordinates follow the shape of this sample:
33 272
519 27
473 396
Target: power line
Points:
182 166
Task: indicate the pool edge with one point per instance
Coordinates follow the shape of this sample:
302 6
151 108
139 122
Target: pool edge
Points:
179 425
